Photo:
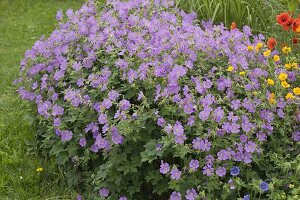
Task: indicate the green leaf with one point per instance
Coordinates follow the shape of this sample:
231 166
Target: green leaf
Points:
292 5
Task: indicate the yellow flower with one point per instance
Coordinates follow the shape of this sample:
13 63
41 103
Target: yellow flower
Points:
286 49
295 65
289 96
267 53
272 98
276 58
40 169
285 84
250 48
282 76
296 90
230 69
259 46
254 93
288 65
270 81
242 73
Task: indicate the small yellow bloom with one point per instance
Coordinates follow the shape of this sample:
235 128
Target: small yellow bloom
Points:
282 76
288 65
295 65
259 46
250 48
286 49
285 84
270 81
272 101
298 30
230 69
242 73
267 53
272 96
40 169
276 58
254 93
289 96
296 90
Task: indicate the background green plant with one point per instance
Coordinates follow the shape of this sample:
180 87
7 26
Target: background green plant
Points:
22 22
258 14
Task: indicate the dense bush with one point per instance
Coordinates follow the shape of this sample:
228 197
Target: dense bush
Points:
138 101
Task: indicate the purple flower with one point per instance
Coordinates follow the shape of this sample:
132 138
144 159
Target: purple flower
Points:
191 194
235 104
208 170
124 104
123 198
104 192
221 171
164 167
102 119
199 144
246 197
57 110
66 136
178 129
224 155
204 114
234 171
82 142
161 122
250 147
106 103
59 15
175 196
194 165
243 138
264 186
113 95
180 139
175 174
296 136
218 114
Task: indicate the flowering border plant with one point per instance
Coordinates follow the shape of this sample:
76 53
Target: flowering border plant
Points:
138 101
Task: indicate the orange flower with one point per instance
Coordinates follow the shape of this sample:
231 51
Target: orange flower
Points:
233 26
271 43
282 18
288 24
296 24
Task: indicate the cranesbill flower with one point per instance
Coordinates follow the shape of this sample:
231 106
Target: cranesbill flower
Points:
204 114
175 174
164 167
221 171
104 192
175 196
191 194
66 136
234 171
178 129
250 147
124 104
194 164
246 197
264 186
208 170
82 142
200 144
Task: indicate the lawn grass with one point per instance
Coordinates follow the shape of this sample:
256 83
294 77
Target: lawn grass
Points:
22 22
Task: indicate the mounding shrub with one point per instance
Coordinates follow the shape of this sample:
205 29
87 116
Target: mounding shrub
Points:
138 101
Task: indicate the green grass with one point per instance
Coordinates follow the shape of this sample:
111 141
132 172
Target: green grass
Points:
22 22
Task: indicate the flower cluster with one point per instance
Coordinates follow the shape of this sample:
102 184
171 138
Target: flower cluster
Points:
139 71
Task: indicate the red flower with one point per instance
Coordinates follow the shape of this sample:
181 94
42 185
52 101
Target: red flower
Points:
288 24
282 18
295 41
233 26
296 24
271 43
